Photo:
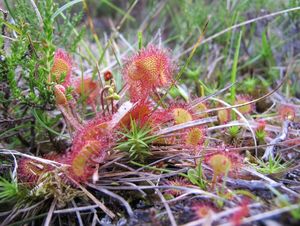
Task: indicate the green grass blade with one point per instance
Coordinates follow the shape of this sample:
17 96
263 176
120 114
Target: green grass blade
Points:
11 26
267 50
140 39
64 7
234 68
40 121
119 10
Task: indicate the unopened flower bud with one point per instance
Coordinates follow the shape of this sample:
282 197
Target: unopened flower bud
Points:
115 96
110 90
107 75
60 97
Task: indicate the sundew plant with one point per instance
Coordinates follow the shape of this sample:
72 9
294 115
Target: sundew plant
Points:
149 112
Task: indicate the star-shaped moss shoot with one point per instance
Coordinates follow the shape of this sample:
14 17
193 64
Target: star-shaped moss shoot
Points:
136 140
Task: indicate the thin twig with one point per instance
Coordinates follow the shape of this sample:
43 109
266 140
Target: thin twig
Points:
271 150
167 207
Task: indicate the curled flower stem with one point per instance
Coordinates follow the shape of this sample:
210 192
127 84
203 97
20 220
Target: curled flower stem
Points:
112 105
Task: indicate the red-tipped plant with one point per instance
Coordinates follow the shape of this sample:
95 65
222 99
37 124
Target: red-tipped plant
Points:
287 112
95 129
108 76
224 116
60 95
150 68
181 115
243 212
30 170
222 163
195 137
83 161
89 148
200 109
202 210
243 99
177 182
141 113
61 69
176 114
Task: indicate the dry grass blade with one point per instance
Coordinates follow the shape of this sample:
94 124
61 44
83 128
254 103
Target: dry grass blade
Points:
186 189
72 210
186 125
115 196
50 213
165 203
94 199
269 153
197 101
77 213
46 161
